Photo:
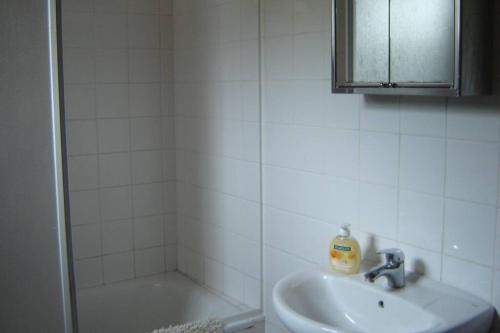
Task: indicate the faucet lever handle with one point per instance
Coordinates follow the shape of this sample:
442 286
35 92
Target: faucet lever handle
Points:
395 256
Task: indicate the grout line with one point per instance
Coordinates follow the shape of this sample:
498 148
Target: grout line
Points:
101 241
133 250
398 181
260 12
443 218
496 239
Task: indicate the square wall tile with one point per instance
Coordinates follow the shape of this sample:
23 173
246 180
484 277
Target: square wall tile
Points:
470 231
309 102
166 32
83 174
145 133
423 116
169 165
195 265
342 153
84 207
78 29
251 141
380 113
149 261
467 276
170 229
116 203
252 292
311 16
379 158
86 241
294 191
214 275
112 66
342 111
144 65
422 164
81 137
148 232
114 169
229 21
278 17
148 199
234 284
146 166
118 267
145 100
249 20
79 65
167 69
278 102
379 210
278 58
117 236
312 55
250 55
421 220
111 28
472 120
171 258
277 221
472 171
167 98
88 272
340 200
112 101
114 135
144 31
169 197
79 101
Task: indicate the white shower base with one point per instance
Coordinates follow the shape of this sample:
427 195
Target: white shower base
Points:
142 305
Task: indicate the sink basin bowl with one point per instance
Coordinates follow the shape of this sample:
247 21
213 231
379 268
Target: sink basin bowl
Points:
321 302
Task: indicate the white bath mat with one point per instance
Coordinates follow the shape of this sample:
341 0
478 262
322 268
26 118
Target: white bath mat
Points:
202 326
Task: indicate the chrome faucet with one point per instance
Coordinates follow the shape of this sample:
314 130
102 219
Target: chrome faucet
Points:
393 269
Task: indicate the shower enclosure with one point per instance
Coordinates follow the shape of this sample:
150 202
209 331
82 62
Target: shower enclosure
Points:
162 120
138 131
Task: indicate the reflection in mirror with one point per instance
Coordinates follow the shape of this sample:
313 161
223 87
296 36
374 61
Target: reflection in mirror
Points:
422 41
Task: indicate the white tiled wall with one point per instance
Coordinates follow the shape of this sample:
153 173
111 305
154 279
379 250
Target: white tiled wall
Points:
218 162
417 173
118 67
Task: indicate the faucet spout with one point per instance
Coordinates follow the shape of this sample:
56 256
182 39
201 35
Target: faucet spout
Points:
393 269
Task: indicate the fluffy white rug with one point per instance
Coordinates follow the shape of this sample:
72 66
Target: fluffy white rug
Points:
202 326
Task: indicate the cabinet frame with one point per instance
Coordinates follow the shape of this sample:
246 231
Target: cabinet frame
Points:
473 57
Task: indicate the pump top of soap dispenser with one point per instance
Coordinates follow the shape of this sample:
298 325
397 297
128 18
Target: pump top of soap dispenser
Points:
345 230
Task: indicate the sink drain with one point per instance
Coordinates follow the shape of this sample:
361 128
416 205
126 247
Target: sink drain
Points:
381 304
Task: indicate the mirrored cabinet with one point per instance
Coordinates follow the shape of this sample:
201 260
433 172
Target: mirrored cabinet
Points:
412 47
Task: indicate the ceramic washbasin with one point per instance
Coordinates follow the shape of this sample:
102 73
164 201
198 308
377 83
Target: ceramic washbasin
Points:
321 302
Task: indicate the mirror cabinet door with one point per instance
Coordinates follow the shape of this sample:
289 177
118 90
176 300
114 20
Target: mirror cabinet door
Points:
422 42
403 42
362 42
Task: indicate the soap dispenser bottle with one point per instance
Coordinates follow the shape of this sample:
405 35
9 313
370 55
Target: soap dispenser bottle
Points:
345 253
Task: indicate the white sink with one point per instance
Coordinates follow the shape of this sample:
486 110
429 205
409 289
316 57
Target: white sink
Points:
321 302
